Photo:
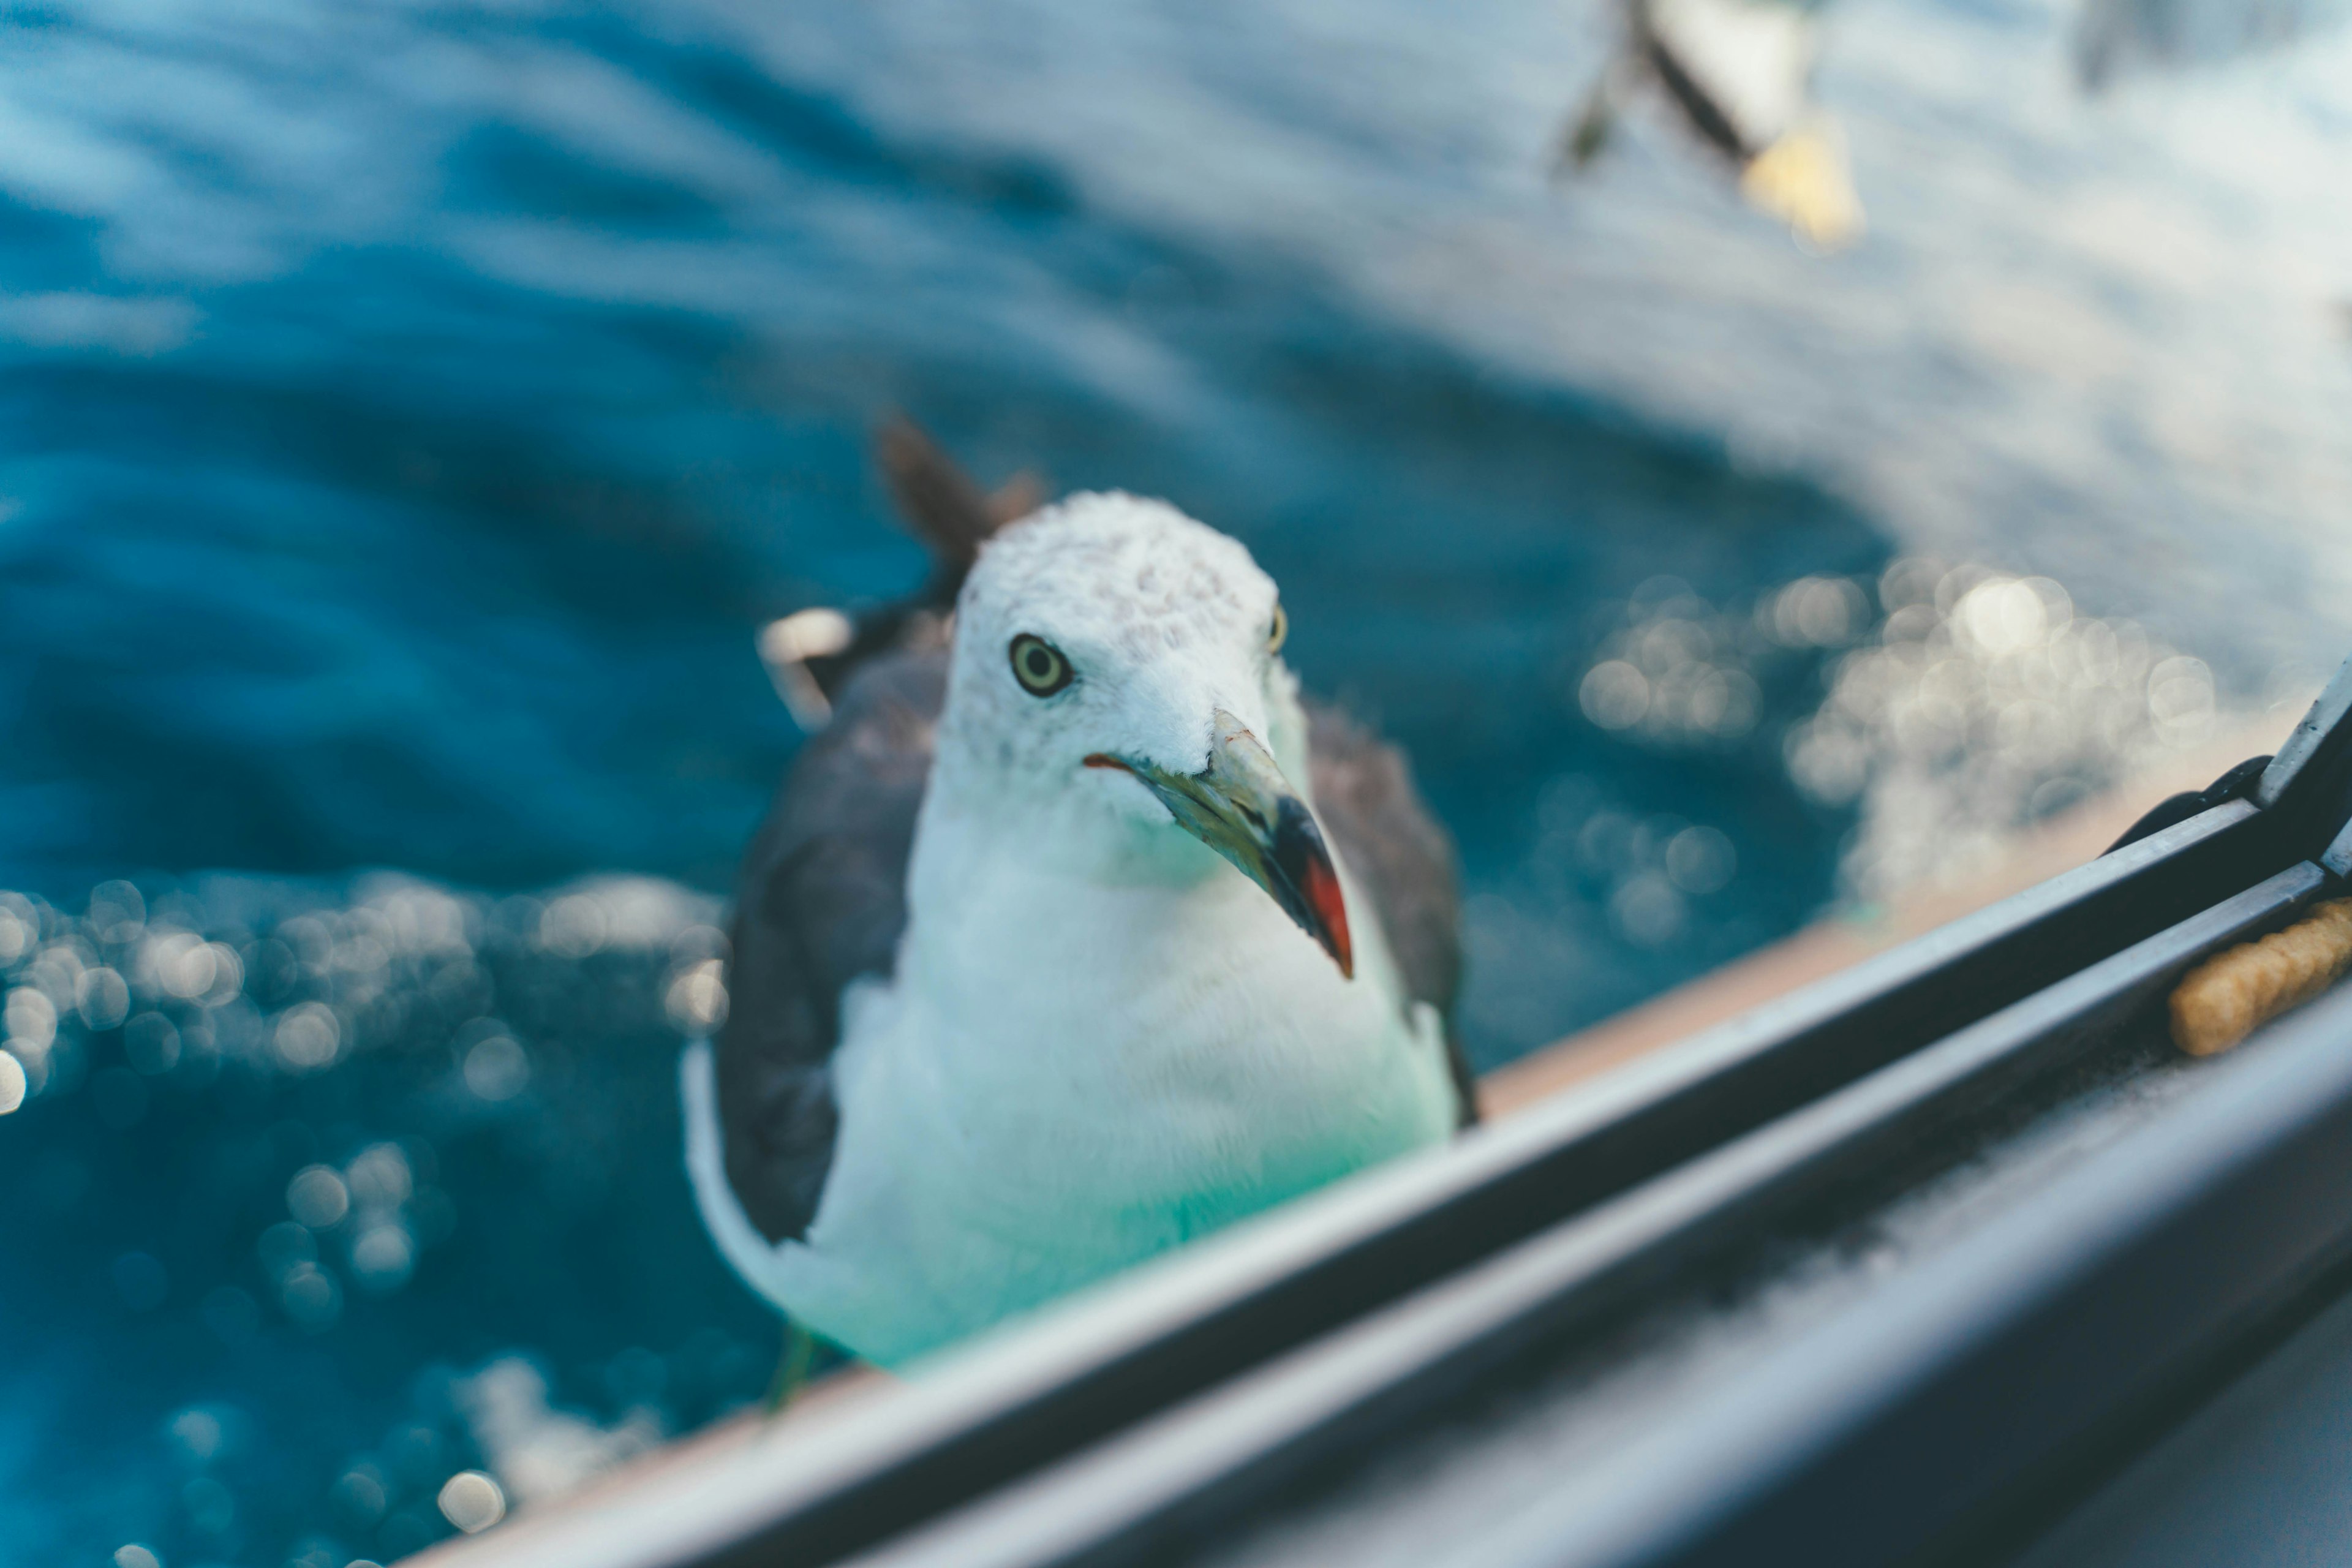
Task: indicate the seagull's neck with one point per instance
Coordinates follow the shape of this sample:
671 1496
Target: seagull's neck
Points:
1074 928
1001 889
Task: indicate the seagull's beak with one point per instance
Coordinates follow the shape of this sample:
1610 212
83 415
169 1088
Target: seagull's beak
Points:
1241 806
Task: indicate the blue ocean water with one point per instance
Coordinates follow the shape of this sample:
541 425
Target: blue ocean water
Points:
410 415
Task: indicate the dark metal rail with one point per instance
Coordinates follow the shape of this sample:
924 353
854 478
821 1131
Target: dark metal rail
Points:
1176 1480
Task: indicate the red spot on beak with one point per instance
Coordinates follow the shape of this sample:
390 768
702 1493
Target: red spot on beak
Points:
1103 760
1321 890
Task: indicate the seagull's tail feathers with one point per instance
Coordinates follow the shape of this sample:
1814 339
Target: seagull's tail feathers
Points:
812 654
746 1251
944 506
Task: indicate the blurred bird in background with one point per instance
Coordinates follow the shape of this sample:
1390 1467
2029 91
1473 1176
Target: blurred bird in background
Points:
1738 75
1073 935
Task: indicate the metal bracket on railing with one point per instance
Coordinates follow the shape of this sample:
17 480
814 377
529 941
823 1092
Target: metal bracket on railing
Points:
2338 857
2311 777
2320 732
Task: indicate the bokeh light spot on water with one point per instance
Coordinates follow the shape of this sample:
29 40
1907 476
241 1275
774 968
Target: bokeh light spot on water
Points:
1816 612
31 1017
572 927
497 1069
12 1082
697 997
360 1497
1680 672
537 1450
317 1197
199 1434
57 971
1647 911
136 1556
307 1036
1701 861
383 1255
20 927
312 1296
1615 694
183 964
472 1501
102 998
118 912
381 1176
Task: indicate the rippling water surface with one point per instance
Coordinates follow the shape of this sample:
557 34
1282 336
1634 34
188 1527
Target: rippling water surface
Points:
411 413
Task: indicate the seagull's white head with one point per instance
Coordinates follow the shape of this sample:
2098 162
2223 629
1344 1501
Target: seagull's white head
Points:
1115 667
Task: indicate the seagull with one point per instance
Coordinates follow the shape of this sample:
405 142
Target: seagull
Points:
1073 935
1739 73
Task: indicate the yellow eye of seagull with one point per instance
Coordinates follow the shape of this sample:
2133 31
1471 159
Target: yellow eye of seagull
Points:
1039 666
1279 630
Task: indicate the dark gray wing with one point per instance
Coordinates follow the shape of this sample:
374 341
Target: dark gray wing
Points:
822 896
1365 797
821 900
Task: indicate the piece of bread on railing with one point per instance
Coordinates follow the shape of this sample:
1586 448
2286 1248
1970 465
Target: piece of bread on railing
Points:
2230 995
